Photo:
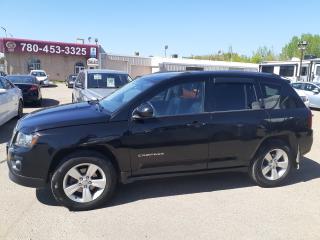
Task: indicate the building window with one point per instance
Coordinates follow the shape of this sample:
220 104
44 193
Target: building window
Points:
34 64
287 71
78 67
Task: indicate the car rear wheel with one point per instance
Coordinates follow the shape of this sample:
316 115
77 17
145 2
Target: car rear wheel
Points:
84 181
272 165
20 109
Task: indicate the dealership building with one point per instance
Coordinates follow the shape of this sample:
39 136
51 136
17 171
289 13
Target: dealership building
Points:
58 59
61 59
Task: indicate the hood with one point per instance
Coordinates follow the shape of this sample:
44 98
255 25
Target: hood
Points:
62 116
98 93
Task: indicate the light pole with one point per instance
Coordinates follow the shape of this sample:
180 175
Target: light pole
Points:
165 50
302 46
5 31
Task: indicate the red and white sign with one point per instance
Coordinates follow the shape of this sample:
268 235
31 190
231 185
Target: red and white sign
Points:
14 45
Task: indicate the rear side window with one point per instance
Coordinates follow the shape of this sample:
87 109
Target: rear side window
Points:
233 96
279 96
297 85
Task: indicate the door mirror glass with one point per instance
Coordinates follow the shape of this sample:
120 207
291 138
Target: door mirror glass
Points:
145 110
78 85
316 91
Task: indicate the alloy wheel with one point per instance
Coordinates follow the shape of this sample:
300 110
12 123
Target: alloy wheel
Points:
84 183
275 164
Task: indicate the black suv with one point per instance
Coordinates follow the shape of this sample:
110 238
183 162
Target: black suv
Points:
163 125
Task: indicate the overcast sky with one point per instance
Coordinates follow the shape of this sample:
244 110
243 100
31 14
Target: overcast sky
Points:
187 27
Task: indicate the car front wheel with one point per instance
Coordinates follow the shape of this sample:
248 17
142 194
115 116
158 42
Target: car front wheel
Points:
83 181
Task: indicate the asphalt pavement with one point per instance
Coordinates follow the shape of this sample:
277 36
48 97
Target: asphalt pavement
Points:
215 206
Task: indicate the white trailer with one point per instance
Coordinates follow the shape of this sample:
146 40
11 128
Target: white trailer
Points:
291 69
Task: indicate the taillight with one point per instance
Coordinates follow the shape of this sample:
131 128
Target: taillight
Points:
33 88
310 115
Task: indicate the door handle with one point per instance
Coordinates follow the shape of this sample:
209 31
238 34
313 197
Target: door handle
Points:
196 124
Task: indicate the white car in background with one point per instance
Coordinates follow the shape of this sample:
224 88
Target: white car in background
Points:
303 96
11 101
312 90
41 76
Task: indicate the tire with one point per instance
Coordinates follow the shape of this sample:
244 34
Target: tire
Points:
262 168
96 196
20 110
39 102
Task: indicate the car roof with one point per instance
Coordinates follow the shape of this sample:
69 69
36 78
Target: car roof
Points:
104 71
162 76
22 75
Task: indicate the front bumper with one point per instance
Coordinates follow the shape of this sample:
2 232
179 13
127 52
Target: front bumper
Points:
26 181
19 164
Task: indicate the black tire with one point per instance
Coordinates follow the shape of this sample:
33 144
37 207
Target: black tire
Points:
83 157
20 110
39 102
255 169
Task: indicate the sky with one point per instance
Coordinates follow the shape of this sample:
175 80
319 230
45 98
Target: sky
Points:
188 27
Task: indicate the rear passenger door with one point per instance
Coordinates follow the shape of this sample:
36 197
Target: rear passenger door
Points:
238 122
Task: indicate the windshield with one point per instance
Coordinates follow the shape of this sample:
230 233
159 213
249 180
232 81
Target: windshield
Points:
125 94
107 80
38 74
21 79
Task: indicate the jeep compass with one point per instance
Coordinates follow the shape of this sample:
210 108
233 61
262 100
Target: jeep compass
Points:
163 125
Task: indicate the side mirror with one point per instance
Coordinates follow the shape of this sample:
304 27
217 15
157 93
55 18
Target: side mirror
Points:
78 85
316 91
145 110
3 91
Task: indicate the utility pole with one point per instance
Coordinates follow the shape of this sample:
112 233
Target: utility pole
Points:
302 46
5 31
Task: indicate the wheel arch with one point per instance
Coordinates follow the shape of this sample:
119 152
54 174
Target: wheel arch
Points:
62 154
289 139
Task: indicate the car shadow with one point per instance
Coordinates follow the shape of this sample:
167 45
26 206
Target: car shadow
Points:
46 102
148 189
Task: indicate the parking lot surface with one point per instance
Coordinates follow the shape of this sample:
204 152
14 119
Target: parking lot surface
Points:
215 206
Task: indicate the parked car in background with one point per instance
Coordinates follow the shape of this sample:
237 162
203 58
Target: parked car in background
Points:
93 84
163 125
29 86
41 76
2 74
11 101
70 80
303 96
312 90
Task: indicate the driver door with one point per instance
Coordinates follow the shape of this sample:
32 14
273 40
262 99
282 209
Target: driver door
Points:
176 138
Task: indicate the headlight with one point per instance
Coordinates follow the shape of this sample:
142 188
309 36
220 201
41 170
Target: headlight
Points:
26 140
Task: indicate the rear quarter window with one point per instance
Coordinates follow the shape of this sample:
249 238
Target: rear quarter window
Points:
279 96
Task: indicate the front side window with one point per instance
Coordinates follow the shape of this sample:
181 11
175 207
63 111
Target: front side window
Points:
180 99
6 84
286 71
106 80
234 96
310 87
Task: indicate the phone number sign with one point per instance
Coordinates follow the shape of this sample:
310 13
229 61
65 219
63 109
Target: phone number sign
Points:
45 47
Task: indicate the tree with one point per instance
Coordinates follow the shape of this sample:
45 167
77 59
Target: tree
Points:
263 54
291 49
